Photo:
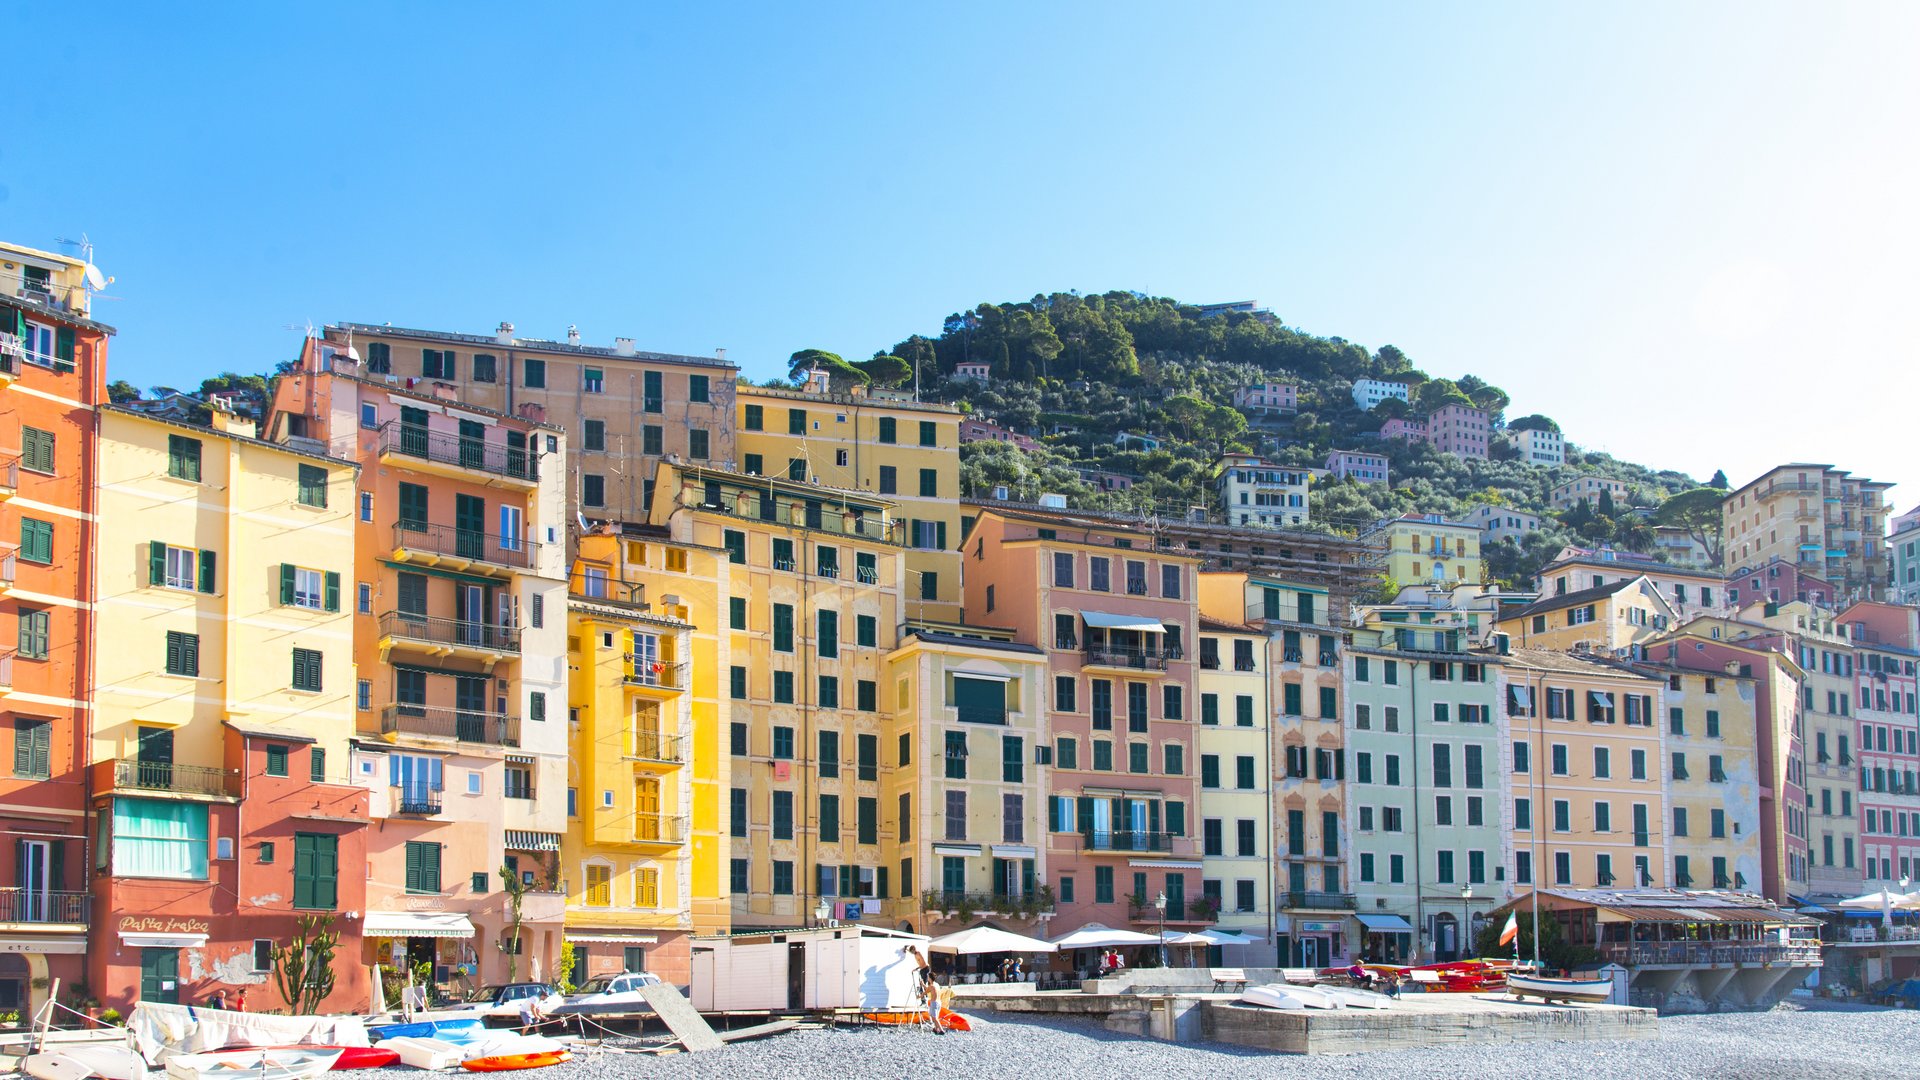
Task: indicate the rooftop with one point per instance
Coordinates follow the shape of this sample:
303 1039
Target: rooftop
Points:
1572 599
603 352
864 401
1570 663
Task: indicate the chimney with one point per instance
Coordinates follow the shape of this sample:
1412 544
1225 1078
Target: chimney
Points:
720 354
224 419
573 335
445 392
817 381
623 346
504 335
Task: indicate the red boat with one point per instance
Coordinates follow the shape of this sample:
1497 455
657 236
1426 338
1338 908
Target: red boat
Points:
1464 977
351 1057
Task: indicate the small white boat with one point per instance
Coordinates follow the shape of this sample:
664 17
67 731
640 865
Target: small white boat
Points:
273 1063
1354 998
424 1053
1592 991
109 1060
1288 996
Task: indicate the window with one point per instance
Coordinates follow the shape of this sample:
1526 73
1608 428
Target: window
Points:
796 421
1170 582
889 429
183 458
316 870
313 486
152 838
928 431
783 815
593 435
956 755
276 761
593 380
36 450
783 687
306 670
593 490
783 743
929 483
783 628
32 748
36 541
866 631
33 633
753 418
698 444
183 654
889 480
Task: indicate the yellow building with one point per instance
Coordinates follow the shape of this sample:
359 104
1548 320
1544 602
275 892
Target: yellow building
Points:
646 843
813 605
906 452
1429 549
1589 809
1236 824
969 739
1712 728
1605 618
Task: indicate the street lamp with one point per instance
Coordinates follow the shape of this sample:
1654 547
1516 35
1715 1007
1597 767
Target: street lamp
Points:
822 910
1466 919
1160 905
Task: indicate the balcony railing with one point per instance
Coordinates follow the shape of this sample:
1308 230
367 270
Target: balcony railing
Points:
1018 907
1096 840
42 906
653 746
6 668
1715 953
791 509
9 473
659 829
655 674
473 545
455 633
416 799
464 725
444 448
1137 659
135 775
1136 588
1320 901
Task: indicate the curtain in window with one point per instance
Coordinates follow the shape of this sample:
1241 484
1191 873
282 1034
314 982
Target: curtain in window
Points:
159 839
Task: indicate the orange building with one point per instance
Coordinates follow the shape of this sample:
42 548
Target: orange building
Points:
53 362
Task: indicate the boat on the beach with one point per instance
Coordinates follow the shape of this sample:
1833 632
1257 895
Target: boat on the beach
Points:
462 1029
75 1061
511 1062
272 1063
423 1053
1354 998
949 1020
1289 996
1591 991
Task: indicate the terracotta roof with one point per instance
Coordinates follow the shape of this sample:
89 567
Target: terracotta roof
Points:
1222 626
1572 599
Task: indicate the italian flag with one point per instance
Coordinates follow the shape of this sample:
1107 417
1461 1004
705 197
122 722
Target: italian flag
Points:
1512 929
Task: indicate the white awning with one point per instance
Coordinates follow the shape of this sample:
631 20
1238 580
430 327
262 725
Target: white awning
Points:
604 937
1388 924
1106 621
1165 864
962 850
140 940
1014 851
434 924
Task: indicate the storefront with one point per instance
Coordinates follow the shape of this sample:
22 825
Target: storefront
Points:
400 941
1386 939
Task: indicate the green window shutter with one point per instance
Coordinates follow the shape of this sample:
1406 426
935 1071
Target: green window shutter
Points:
333 591
431 866
303 871
326 871
22 749
317 765
156 562
175 654
537 705
190 653
286 584
413 865
207 576
63 347
940 535
41 547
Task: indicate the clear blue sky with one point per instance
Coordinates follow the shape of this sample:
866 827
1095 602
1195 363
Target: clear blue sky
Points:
1686 231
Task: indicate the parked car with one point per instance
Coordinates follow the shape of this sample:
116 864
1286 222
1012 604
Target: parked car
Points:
621 989
504 999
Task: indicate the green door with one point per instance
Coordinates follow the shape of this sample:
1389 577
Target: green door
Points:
473 444
469 526
155 752
316 871
160 976
413 431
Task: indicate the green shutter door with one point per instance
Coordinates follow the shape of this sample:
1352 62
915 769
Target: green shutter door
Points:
156 562
333 590
469 526
160 976
413 431
207 578
286 584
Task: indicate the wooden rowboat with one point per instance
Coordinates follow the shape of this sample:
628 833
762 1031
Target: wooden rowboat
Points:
285 1063
1592 991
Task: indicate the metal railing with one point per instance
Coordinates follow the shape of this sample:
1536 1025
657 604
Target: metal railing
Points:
654 673
1136 588
464 725
1717 953
461 633
419 798
1327 901
445 448
1137 659
9 564
460 543
43 906
790 509
10 471
165 776
654 746
1096 840
659 829
6 668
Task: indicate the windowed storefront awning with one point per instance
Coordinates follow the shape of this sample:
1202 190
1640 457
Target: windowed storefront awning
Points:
520 840
609 937
1385 924
1108 621
142 940
433 924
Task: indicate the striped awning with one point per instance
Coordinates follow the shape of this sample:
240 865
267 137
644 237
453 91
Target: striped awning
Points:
521 840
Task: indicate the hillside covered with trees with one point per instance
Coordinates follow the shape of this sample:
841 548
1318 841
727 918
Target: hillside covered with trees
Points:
1078 371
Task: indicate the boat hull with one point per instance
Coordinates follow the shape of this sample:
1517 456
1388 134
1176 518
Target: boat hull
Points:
111 1061
1587 991
511 1062
264 1064
425 1053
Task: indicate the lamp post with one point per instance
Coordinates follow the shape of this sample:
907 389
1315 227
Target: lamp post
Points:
1466 919
822 911
1160 905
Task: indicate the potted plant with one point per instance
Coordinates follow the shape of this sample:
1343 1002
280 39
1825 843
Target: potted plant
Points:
110 1017
10 1019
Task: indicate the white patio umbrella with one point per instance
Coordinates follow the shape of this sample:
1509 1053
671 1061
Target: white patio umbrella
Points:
1097 936
1182 937
988 939
1873 901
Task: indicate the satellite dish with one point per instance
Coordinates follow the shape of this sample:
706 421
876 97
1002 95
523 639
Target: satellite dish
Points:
353 354
95 279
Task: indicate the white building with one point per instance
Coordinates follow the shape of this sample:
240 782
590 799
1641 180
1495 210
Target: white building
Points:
1502 523
1586 489
1261 495
973 371
1370 392
1538 446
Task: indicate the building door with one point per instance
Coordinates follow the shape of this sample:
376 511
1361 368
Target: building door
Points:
470 608
33 877
796 976
579 973
155 753
646 809
473 444
413 431
470 708
160 976
1312 954
1176 896
469 526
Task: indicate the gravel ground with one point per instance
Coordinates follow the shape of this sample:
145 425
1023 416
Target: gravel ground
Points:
1830 1042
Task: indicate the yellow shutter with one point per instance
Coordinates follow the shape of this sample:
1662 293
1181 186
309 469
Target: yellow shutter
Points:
646 888
599 886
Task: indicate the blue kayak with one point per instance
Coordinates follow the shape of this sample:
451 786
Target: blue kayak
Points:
465 1030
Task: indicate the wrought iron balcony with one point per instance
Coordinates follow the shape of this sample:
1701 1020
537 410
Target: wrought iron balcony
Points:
43 906
1132 659
654 674
654 746
464 725
449 635
659 829
465 452
1096 840
134 775
417 798
1320 901
431 544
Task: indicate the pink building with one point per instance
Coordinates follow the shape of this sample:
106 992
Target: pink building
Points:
1106 481
1117 619
1777 581
1461 430
1408 429
1362 466
1267 397
984 431
1886 640
973 371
